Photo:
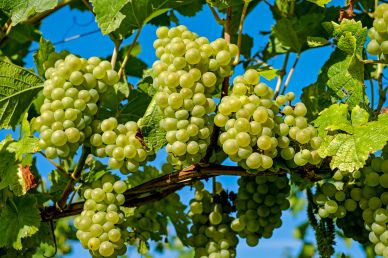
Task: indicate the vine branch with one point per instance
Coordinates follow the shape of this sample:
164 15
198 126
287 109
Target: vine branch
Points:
160 187
240 28
281 75
224 90
291 72
128 54
215 14
115 52
56 165
74 178
37 18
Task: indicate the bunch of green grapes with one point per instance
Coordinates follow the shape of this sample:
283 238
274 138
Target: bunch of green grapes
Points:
149 220
378 45
211 233
188 71
353 227
256 132
373 200
260 202
71 92
100 225
120 143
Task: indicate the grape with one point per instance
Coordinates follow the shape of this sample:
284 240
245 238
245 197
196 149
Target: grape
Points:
99 226
256 121
378 33
70 104
187 72
211 230
259 206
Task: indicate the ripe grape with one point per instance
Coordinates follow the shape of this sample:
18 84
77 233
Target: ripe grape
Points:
185 76
378 46
211 231
260 201
101 225
70 102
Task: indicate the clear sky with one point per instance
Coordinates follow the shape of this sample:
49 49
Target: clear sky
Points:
66 23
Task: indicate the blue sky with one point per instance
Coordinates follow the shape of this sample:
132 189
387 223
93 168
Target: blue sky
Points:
66 23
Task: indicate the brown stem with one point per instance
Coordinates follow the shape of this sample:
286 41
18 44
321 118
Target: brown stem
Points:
86 3
56 165
372 61
215 14
160 187
224 91
382 92
290 73
240 29
281 75
115 52
128 54
74 178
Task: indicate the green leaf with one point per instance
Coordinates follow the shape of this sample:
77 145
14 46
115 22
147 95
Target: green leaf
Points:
18 87
127 15
246 45
138 102
321 3
316 41
20 218
191 9
8 169
108 14
154 136
111 99
268 72
41 56
355 138
25 145
336 114
20 10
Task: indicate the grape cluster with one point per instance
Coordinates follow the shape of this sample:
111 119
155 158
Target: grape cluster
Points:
260 202
353 226
378 45
373 200
255 131
120 143
188 72
71 92
211 234
100 225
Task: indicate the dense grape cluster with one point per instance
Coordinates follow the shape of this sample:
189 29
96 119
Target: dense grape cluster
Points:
100 225
71 92
189 69
255 132
361 201
211 234
378 45
260 202
120 143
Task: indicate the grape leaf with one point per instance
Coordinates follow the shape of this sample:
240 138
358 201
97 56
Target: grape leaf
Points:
8 169
28 144
108 14
355 139
321 3
191 9
40 56
18 87
316 41
20 10
127 15
138 102
154 136
268 72
20 218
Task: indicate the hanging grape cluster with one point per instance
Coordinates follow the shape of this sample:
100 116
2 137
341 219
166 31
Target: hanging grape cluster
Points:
259 203
100 225
363 201
188 72
211 234
71 92
378 45
120 143
256 132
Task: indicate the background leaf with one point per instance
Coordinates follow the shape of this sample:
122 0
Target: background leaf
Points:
17 88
